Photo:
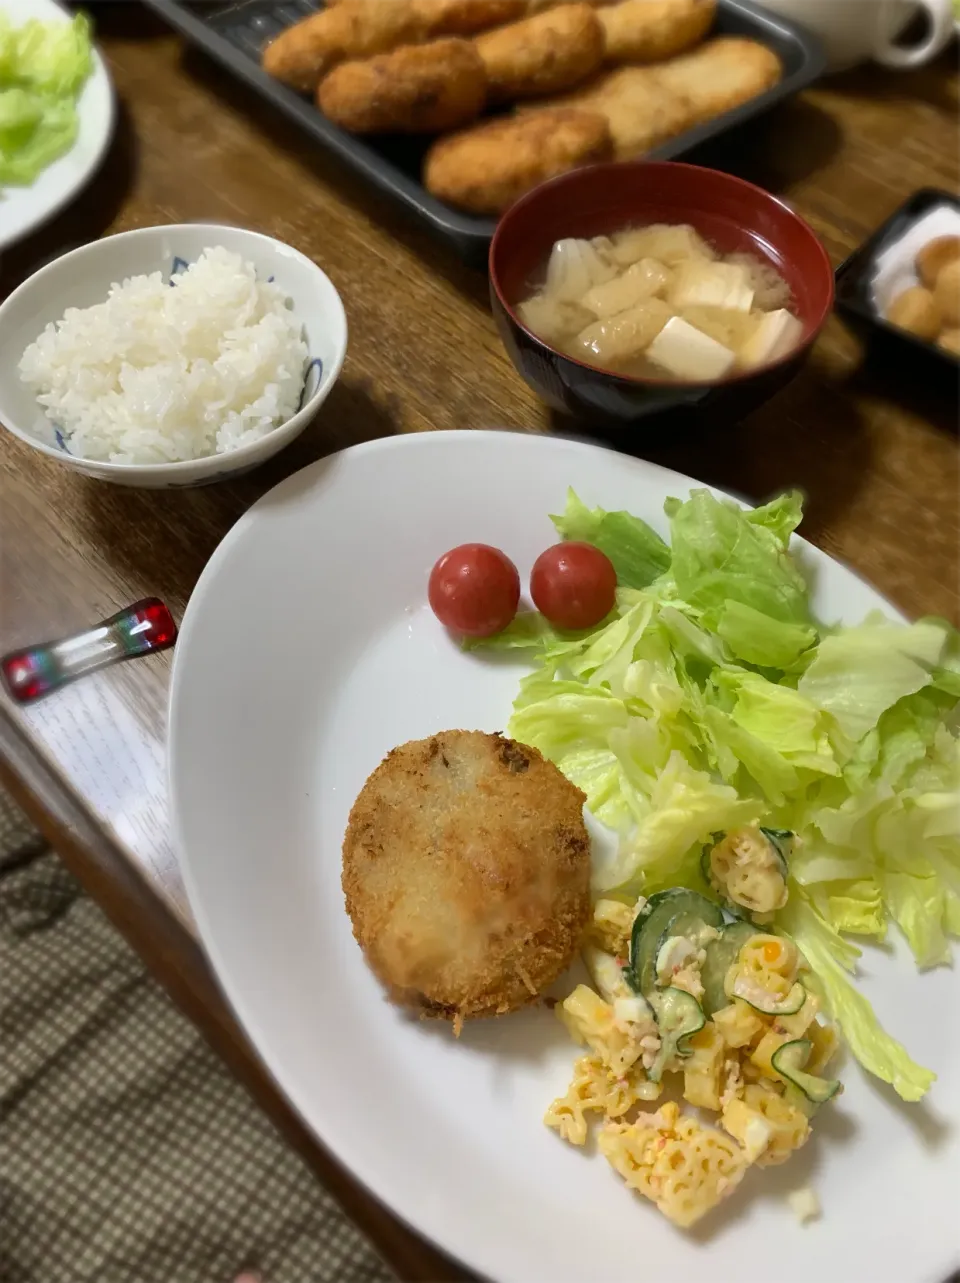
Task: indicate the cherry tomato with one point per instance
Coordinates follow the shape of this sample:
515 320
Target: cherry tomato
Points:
573 584
474 590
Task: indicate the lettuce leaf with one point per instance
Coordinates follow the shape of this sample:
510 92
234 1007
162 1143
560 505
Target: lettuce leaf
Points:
684 807
829 955
857 907
758 639
43 67
712 698
20 113
860 672
781 515
638 553
52 57
51 137
722 553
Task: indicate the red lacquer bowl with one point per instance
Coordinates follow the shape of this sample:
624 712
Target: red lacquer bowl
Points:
732 214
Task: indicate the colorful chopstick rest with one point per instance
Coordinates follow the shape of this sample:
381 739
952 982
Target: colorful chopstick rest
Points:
141 629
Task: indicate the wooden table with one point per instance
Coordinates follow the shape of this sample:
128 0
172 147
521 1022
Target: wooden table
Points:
878 460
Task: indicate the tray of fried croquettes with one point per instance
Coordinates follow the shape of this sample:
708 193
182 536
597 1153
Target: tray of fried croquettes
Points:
455 108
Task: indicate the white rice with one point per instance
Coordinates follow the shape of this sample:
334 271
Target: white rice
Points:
171 370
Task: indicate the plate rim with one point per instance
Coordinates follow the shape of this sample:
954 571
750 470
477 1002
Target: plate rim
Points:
195 900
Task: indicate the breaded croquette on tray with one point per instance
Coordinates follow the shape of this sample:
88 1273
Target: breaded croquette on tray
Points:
649 30
415 89
638 114
305 52
466 870
543 54
487 167
719 76
644 106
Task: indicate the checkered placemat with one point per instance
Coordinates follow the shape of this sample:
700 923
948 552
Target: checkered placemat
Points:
127 1152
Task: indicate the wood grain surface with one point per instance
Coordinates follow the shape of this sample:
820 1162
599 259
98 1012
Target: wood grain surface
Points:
875 452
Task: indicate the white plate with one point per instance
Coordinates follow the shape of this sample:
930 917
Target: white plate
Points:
308 651
24 208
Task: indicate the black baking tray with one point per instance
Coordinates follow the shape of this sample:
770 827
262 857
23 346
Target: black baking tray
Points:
234 33
887 344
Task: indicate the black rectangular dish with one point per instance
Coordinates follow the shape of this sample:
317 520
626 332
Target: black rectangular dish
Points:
234 33
894 348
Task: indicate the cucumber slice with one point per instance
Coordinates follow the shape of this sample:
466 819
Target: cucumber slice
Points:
789 1060
679 1016
769 1004
677 912
782 842
721 955
705 868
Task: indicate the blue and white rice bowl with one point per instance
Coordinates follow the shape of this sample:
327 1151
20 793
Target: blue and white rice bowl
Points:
83 277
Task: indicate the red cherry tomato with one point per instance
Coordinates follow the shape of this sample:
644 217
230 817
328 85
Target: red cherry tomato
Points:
573 584
474 590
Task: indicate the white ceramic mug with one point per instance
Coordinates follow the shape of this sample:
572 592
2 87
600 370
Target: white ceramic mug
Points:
854 31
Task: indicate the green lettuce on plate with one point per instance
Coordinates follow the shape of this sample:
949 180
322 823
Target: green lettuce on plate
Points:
712 697
43 67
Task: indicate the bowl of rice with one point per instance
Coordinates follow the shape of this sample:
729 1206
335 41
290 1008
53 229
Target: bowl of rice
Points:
170 356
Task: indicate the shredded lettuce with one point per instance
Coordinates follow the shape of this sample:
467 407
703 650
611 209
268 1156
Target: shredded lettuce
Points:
720 555
861 672
638 553
712 697
43 67
832 959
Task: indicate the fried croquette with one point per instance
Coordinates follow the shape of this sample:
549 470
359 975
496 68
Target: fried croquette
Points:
638 115
720 75
644 106
416 89
543 54
305 52
466 870
487 167
650 30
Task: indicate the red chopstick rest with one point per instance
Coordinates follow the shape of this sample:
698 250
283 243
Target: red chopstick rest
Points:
141 629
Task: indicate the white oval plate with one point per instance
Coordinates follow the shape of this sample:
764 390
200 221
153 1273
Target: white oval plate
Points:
306 653
22 209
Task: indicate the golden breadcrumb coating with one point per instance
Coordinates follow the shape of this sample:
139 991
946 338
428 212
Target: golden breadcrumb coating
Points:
416 89
466 871
487 167
543 54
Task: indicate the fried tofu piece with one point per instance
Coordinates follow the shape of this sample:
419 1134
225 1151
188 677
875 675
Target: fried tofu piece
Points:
651 30
305 52
541 55
466 871
486 168
415 89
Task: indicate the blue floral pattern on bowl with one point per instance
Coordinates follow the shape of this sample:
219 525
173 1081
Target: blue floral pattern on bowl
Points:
311 381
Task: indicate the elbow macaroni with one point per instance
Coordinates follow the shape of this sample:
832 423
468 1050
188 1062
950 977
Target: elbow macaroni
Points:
595 1088
683 1166
592 1023
610 927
